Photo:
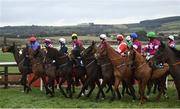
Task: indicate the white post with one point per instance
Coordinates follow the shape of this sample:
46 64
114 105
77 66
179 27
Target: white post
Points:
41 85
57 86
167 82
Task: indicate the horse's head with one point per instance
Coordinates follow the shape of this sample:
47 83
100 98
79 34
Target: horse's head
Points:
90 51
132 54
101 52
160 55
9 48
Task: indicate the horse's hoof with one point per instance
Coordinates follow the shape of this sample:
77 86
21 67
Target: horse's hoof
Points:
28 90
102 98
86 92
166 96
82 94
148 97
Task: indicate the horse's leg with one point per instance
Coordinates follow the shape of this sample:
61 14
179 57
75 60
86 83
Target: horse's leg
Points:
29 85
155 87
141 92
108 89
149 87
112 91
101 89
123 87
87 82
83 82
69 83
24 81
60 87
132 90
143 87
99 85
160 91
92 88
46 85
51 83
73 86
116 86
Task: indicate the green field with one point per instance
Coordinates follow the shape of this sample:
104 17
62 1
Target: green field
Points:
14 98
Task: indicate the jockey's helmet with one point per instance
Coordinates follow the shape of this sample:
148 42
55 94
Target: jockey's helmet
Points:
151 35
171 37
103 36
120 37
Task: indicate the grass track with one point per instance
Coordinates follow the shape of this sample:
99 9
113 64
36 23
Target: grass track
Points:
13 98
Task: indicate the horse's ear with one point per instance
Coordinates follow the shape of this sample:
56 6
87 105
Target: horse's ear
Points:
162 45
93 43
131 48
26 45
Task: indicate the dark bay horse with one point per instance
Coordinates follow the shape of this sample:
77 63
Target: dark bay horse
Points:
121 67
37 61
64 69
19 58
172 57
93 70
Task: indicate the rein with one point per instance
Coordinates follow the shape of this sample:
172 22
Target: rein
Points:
62 57
141 65
106 64
90 63
177 63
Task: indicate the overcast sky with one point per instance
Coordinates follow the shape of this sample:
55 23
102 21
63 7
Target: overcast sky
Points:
71 12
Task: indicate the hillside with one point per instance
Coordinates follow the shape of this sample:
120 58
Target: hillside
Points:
169 24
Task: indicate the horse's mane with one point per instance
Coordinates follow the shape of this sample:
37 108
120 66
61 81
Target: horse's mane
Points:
53 53
112 54
176 52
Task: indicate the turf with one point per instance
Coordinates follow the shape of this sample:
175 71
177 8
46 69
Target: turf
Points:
14 98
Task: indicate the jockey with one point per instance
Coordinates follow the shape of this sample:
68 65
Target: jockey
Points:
152 46
34 44
122 47
48 43
63 47
136 43
103 38
129 41
171 42
77 48
76 43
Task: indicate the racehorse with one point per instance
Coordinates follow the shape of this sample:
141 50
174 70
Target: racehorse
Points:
93 70
107 73
172 57
64 68
37 61
19 57
148 72
121 67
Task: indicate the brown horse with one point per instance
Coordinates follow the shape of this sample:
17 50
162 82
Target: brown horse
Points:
107 74
144 73
121 67
19 58
172 57
37 61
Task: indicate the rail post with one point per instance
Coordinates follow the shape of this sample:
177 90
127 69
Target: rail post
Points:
6 76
